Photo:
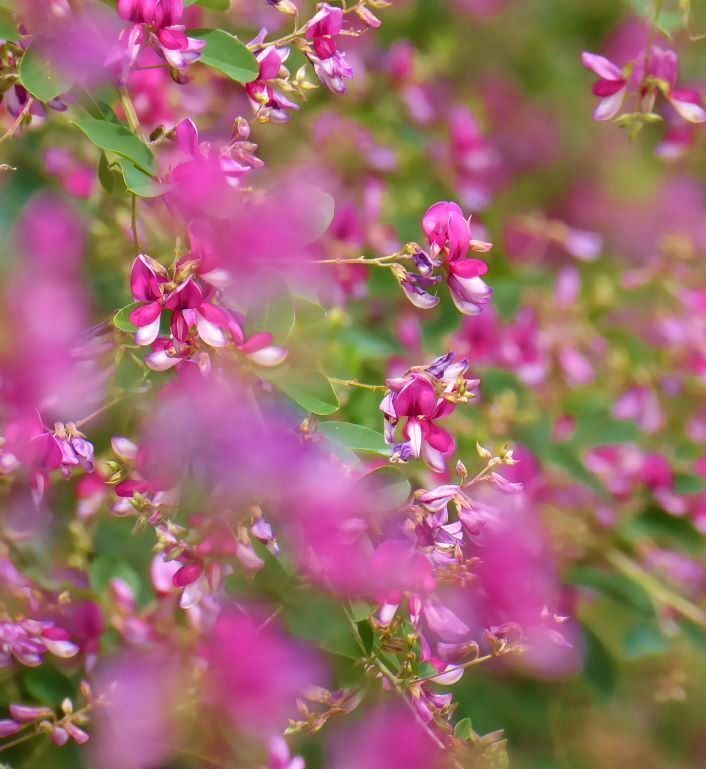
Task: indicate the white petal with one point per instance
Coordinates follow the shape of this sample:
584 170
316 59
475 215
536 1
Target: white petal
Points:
212 334
609 107
269 356
147 334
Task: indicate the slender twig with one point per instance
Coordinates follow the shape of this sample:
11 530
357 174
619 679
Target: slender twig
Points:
105 407
659 592
469 664
392 678
356 383
11 130
381 261
133 223
18 741
130 112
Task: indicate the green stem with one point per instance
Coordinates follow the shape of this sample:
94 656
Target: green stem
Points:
469 664
133 223
130 112
356 383
659 592
18 741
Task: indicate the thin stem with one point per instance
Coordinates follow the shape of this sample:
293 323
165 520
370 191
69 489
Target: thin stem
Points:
480 475
356 383
659 592
392 678
18 741
105 407
11 130
469 664
381 261
133 223
130 112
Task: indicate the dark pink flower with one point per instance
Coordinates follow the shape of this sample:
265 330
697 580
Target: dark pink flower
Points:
449 236
268 104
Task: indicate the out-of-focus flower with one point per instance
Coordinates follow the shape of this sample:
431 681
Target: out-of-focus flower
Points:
256 673
388 738
654 70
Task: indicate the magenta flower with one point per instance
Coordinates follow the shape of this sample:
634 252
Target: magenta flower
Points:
389 738
268 104
449 236
29 640
329 63
654 70
235 159
257 673
426 394
155 25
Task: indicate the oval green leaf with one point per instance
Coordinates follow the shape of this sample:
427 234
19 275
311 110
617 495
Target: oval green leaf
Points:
271 306
227 54
121 319
384 489
355 437
311 390
38 75
138 182
117 138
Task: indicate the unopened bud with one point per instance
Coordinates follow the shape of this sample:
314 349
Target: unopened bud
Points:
367 17
461 470
285 6
482 452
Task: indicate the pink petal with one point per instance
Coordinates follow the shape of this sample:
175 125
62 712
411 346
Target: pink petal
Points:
609 107
688 105
603 67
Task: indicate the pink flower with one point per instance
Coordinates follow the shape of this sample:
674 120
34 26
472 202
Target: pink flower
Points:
610 88
426 394
329 63
449 236
257 673
235 159
267 104
653 70
389 738
155 25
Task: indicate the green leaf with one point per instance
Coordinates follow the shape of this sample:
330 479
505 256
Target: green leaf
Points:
689 484
694 632
105 175
355 437
227 54
384 489
615 586
107 567
8 26
367 636
47 686
121 319
138 182
215 5
119 139
644 640
38 75
311 390
599 666
463 729
271 306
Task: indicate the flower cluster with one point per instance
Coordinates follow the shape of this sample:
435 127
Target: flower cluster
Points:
213 549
